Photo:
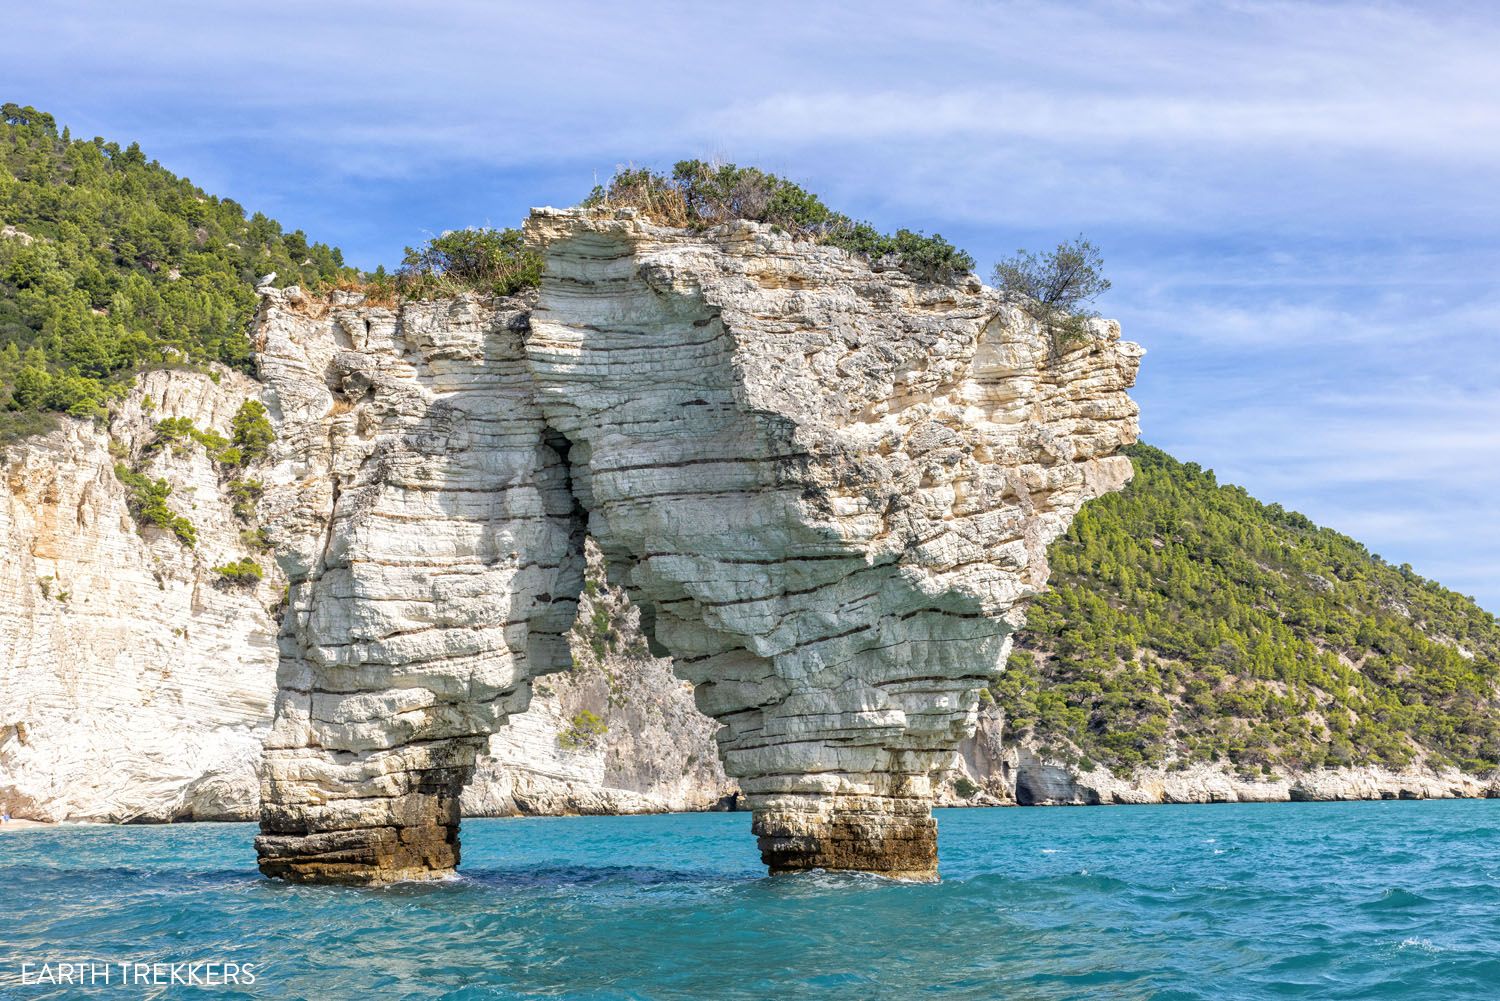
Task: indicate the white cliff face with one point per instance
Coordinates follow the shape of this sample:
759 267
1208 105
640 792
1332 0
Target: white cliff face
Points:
425 525
656 752
134 684
827 488
424 515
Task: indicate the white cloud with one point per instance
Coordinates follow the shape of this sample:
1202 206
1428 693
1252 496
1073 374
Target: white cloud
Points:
1466 129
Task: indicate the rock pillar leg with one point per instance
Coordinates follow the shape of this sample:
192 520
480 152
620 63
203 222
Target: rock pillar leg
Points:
375 818
424 518
875 834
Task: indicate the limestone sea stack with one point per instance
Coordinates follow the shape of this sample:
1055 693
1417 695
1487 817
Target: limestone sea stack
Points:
828 487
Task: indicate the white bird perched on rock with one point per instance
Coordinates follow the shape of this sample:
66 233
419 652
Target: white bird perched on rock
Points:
266 280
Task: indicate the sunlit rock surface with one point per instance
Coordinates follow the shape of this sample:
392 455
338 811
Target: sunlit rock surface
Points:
135 685
828 489
421 510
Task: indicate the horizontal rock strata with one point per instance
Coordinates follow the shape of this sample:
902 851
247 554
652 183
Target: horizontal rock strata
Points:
423 516
136 686
827 488
616 733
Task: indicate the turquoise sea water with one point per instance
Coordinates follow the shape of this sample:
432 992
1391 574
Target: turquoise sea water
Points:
1349 900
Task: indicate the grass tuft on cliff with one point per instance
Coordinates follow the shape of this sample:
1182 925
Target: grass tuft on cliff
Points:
1189 622
700 194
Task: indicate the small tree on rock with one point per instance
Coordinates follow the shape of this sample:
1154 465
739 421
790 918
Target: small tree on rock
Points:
253 433
1056 289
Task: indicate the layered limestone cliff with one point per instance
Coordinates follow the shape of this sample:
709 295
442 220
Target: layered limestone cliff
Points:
435 553
128 700
828 488
135 685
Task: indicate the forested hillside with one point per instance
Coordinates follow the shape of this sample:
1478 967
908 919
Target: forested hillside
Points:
110 263
1189 622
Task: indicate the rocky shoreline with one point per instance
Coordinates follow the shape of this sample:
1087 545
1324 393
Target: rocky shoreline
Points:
997 770
531 799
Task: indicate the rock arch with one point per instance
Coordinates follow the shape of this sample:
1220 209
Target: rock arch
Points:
828 488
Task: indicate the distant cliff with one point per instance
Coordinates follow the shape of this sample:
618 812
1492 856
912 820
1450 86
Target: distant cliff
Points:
132 684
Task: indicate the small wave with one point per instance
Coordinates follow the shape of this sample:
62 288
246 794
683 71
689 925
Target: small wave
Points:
822 879
1049 851
1422 944
1395 899
572 876
1085 880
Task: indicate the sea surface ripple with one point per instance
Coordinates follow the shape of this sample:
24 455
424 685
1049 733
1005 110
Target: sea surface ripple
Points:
1295 900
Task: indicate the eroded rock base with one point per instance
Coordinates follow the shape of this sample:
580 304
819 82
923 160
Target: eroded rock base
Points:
896 838
366 819
366 856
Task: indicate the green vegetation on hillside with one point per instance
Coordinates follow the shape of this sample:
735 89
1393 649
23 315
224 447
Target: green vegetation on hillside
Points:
1189 622
488 261
702 194
109 263
584 730
250 427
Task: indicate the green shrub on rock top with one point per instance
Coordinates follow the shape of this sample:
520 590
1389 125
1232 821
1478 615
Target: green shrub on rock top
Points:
700 194
1057 289
477 259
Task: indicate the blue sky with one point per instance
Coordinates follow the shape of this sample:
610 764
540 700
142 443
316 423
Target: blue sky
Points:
1299 204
